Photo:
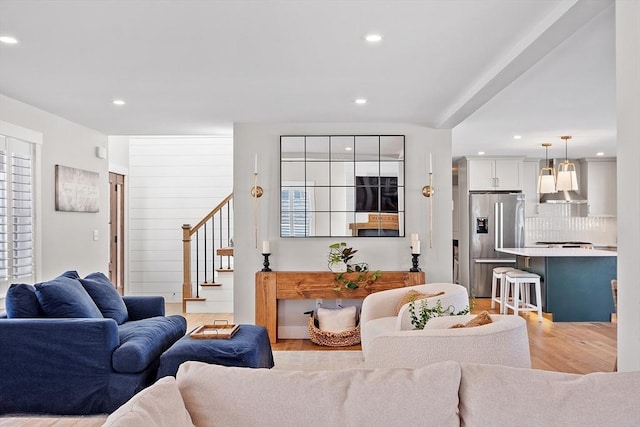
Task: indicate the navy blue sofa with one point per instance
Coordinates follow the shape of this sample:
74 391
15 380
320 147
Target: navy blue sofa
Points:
73 346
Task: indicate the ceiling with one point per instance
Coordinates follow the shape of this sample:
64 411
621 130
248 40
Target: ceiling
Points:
488 69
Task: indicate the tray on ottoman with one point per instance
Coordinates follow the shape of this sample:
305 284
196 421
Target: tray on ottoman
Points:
249 348
216 330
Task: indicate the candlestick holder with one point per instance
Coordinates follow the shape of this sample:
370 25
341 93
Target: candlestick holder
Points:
414 261
266 262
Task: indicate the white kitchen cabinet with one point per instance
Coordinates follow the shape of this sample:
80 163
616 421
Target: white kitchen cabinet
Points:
531 171
494 174
599 183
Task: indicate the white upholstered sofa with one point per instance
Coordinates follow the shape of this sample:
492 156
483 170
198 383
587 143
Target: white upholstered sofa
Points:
441 394
390 341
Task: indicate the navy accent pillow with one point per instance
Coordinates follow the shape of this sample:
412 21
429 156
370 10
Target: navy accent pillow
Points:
106 297
21 301
71 274
65 297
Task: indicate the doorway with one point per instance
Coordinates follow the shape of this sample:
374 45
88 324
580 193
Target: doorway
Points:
116 231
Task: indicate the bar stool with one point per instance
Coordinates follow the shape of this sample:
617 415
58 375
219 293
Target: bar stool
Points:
518 284
498 276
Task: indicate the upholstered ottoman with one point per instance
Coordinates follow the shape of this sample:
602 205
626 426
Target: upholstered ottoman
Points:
248 348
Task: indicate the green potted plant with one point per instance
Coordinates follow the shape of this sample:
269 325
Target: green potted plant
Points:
420 319
339 257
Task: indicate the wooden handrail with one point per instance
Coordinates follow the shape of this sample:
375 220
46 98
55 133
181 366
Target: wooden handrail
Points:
211 214
187 232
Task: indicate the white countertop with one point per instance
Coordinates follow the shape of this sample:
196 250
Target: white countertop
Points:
556 252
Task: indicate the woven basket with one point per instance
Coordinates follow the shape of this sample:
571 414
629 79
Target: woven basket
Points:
333 339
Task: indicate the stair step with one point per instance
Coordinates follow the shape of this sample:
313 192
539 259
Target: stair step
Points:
224 270
195 299
224 251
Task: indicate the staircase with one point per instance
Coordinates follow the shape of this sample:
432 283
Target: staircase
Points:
207 285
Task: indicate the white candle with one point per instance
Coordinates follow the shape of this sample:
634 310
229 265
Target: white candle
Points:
430 163
255 165
414 237
266 249
415 247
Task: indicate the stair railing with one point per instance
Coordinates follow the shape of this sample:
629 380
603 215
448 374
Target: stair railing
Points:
218 223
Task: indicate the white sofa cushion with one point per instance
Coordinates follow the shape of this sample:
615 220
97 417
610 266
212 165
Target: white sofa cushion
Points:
226 396
499 395
159 405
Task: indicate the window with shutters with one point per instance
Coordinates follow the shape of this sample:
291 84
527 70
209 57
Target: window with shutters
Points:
295 210
16 210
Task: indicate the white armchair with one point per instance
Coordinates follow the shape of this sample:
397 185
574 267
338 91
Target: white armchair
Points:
389 340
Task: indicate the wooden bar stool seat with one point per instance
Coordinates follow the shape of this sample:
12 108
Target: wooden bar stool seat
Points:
518 284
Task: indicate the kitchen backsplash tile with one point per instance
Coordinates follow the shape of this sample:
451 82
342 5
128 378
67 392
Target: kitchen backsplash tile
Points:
597 230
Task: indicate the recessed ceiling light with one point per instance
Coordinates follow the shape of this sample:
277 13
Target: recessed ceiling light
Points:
360 101
8 40
480 153
348 148
517 136
118 102
599 153
373 38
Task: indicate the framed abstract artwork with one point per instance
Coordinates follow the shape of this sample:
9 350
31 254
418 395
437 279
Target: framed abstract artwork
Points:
77 190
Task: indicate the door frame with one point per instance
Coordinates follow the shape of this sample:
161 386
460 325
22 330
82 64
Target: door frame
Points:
116 231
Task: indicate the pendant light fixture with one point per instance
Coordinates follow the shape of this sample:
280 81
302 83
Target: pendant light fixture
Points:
567 176
547 178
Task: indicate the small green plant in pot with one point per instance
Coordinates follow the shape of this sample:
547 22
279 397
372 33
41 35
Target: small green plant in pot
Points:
339 257
420 319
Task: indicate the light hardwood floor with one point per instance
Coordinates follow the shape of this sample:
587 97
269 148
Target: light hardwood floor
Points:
577 347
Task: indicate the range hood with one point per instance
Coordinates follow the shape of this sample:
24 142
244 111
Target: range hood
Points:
562 196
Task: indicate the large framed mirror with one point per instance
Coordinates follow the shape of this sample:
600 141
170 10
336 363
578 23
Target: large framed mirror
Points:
342 185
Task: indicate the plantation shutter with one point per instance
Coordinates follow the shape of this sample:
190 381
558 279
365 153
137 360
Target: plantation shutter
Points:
4 238
295 211
16 210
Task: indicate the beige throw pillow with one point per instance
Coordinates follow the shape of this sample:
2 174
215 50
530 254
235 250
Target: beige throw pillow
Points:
481 319
159 405
414 295
336 319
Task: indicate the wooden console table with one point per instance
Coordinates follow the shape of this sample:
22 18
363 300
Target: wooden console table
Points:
277 285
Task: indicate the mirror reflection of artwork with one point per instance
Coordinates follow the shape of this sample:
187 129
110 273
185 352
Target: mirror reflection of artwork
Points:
341 185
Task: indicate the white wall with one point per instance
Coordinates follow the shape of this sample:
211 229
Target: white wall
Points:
119 155
628 145
66 237
172 181
309 254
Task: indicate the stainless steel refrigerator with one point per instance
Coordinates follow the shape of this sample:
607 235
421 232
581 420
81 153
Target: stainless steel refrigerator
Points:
496 221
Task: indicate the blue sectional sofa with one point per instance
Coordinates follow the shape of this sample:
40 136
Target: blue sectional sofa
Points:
73 346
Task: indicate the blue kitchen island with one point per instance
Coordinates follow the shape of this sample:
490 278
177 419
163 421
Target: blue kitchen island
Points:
576 282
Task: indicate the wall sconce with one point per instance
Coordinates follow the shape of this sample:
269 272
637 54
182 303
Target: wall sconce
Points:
428 191
256 192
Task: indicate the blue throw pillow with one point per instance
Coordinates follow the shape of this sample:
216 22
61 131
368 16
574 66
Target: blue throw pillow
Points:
106 297
71 274
21 301
65 297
